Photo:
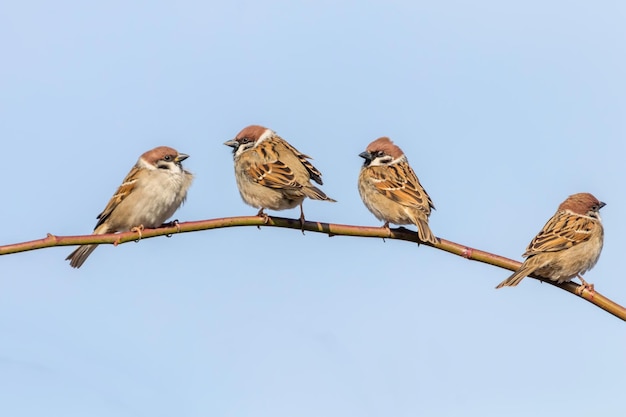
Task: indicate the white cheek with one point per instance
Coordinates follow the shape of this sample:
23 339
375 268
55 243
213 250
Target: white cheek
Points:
172 168
239 151
385 160
245 147
376 162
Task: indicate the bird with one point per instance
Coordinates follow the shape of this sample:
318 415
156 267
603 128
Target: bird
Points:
272 174
150 194
568 245
390 189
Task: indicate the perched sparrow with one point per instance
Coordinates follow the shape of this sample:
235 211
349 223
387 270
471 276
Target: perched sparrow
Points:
272 174
150 194
390 189
567 246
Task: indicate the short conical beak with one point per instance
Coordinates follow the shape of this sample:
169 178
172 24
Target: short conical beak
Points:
366 155
602 204
232 143
181 157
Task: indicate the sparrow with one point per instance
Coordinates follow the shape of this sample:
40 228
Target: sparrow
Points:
150 194
272 174
568 245
391 191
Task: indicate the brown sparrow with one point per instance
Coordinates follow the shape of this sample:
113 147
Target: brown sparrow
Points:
150 194
272 174
390 189
568 245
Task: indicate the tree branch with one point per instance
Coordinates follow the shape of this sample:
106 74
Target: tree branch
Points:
328 228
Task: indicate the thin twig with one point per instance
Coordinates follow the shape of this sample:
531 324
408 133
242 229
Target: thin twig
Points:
328 228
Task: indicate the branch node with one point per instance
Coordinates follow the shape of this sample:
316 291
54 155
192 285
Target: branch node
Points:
467 253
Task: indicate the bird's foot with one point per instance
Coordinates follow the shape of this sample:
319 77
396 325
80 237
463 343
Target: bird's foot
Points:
170 224
138 229
387 228
585 286
264 215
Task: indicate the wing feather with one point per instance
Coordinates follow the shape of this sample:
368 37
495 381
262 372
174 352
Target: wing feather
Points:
561 232
399 183
314 173
273 175
122 192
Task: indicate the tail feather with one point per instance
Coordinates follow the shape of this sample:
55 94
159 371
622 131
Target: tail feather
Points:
517 276
316 194
424 233
80 255
420 219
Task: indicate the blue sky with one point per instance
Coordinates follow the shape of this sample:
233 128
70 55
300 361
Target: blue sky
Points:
503 111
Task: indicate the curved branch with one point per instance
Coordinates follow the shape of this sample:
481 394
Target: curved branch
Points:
328 228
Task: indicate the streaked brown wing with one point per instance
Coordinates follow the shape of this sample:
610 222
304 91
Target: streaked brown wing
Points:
315 174
561 232
399 183
273 175
122 192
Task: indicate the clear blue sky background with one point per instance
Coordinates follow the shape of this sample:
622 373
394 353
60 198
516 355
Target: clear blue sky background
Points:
503 110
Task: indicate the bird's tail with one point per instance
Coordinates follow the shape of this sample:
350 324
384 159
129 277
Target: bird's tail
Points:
420 219
80 255
517 276
316 194
424 233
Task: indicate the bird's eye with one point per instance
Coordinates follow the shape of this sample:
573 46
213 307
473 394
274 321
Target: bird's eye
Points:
595 207
379 154
167 158
244 140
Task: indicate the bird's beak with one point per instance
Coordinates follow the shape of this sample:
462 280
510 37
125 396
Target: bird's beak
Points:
232 143
602 204
366 155
181 157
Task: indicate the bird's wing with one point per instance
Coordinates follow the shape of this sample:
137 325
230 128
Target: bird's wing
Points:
562 231
124 190
399 183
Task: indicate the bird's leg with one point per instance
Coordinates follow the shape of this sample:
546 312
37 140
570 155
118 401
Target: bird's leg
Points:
263 214
387 228
138 229
585 286
301 218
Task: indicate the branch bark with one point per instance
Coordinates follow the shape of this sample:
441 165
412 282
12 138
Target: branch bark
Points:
328 228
